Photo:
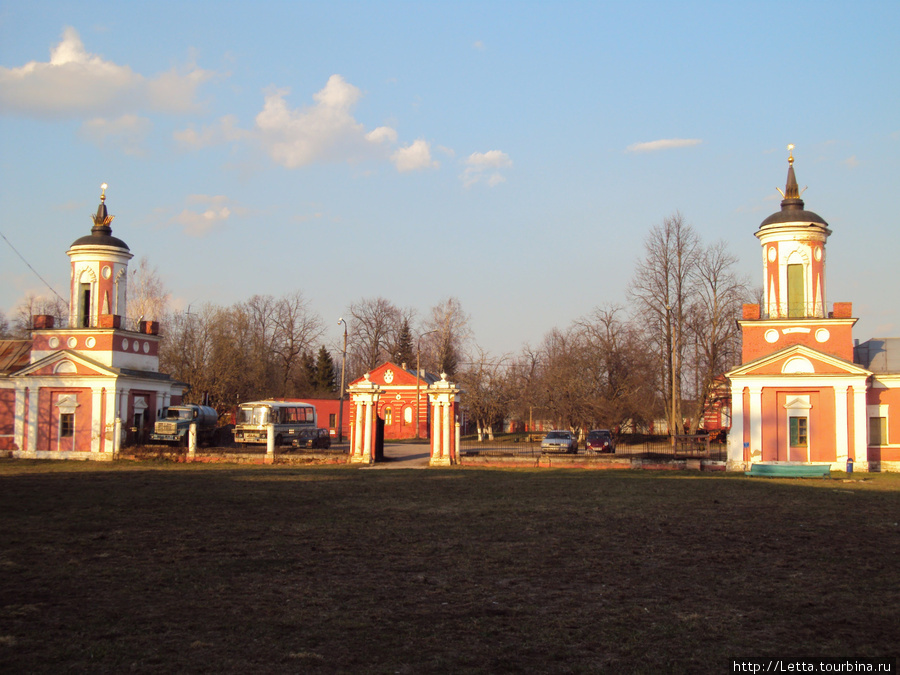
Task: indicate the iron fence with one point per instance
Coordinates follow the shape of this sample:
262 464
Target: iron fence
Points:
639 447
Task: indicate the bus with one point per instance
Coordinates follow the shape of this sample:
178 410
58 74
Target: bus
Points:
251 424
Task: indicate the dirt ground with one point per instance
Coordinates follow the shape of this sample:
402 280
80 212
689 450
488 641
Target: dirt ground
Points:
161 567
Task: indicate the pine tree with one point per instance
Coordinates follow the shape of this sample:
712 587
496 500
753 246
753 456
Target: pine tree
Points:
309 372
405 352
325 377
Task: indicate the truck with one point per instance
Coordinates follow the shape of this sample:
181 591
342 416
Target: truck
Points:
176 421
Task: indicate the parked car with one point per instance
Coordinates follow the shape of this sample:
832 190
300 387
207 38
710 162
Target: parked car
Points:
559 441
313 438
599 440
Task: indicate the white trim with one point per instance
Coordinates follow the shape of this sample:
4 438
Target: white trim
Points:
798 407
755 422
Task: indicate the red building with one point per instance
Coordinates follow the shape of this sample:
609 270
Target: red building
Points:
801 394
80 387
403 405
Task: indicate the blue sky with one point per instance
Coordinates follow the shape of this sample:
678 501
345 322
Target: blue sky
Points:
511 154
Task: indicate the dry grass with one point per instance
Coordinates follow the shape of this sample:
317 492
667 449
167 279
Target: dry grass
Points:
157 567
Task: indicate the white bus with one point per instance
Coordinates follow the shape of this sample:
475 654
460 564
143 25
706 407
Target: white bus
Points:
251 424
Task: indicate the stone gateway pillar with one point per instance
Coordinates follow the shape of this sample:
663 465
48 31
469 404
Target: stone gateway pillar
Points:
363 419
444 398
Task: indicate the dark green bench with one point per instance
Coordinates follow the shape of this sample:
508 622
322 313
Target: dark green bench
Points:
786 470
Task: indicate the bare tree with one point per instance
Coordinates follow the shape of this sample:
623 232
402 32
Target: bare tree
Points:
450 336
487 392
147 294
563 390
616 365
661 290
33 305
373 333
296 329
718 294
524 385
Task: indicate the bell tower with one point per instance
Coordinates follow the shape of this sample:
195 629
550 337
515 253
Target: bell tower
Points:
99 261
97 305
793 245
794 309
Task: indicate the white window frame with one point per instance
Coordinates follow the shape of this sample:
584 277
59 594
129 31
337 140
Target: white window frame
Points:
878 411
798 406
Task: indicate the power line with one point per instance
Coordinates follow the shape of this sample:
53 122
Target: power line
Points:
52 290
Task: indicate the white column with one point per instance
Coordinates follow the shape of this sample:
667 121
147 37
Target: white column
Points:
192 440
109 419
20 430
860 422
96 419
33 420
841 430
736 434
367 443
117 437
436 430
756 423
358 429
122 409
445 451
270 443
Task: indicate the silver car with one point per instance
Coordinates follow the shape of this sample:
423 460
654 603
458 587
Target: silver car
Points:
559 441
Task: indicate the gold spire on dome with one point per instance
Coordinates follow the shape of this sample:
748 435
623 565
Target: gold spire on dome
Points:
791 192
102 219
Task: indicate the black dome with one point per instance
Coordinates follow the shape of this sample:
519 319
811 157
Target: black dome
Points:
792 210
793 216
100 240
101 232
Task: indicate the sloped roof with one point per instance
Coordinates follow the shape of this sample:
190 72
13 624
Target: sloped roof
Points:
96 366
399 376
824 364
14 355
880 355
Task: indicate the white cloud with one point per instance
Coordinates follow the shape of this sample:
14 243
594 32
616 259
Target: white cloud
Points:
225 130
414 157
851 162
212 213
484 167
127 132
75 83
663 144
326 131
382 135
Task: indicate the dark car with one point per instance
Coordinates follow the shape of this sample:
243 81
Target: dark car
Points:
599 440
559 441
313 438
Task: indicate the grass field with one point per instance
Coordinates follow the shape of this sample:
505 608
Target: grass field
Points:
158 567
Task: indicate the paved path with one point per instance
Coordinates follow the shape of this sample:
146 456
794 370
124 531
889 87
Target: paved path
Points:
404 456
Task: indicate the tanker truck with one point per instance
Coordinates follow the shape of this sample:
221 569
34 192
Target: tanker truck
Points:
176 421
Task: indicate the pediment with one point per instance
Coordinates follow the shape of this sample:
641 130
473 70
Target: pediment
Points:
390 374
798 360
66 363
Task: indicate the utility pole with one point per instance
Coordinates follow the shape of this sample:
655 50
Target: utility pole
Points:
340 430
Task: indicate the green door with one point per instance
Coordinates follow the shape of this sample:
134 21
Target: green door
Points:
796 297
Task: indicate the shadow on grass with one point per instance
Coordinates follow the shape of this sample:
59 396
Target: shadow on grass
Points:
329 569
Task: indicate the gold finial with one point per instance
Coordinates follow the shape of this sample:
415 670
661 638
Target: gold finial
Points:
103 187
790 153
